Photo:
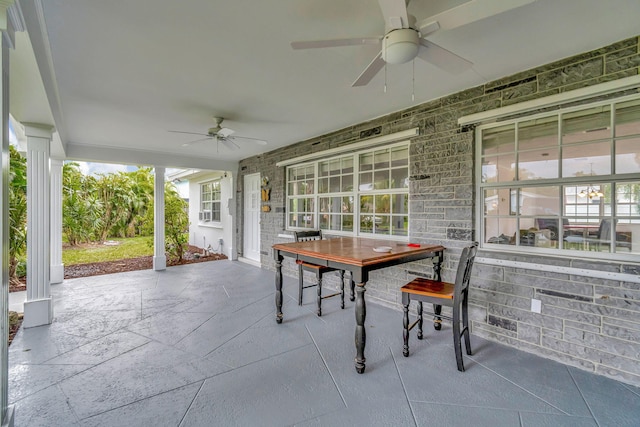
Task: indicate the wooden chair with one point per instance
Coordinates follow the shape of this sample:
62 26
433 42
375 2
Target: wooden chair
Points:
317 270
442 293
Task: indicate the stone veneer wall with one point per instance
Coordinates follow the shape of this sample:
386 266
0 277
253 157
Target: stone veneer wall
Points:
586 322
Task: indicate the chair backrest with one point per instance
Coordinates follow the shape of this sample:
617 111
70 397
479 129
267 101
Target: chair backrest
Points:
463 275
305 236
604 231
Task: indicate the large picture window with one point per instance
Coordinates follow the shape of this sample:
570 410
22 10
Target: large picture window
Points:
210 201
563 181
364 193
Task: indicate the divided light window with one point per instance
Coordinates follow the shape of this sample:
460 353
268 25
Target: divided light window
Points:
364 193
210 201
567 181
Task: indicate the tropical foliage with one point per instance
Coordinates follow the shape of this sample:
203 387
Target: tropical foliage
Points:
97 208
17 214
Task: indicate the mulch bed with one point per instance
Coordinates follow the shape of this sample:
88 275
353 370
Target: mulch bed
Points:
192 255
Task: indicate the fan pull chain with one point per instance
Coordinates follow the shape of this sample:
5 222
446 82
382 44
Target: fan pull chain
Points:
385 77
413 80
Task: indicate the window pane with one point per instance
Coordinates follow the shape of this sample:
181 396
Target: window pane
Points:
586 125
366 162
366 204
400 225
347 222
382 203
347 205
381 224
399 203
500 231
538 201
323 185
347 165
334 167
628 199
399 157
366 223
381 179
497 201
499 168
587 200
628 118
334 184
538 164
347 183
628 155
499 140
587 159
366 181
400 178
323 169
381 159
538 133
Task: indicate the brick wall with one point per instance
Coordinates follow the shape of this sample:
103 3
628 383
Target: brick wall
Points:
586 322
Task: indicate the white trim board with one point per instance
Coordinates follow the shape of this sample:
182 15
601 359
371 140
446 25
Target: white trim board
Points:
608 275
626 83
367 143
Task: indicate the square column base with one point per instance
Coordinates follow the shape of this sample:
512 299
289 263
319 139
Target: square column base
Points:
38 312
9 417
56 273
159 263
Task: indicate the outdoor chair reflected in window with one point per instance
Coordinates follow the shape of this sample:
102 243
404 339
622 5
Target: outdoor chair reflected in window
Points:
318 271
602 240
439 293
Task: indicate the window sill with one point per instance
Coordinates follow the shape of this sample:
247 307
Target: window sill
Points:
210 225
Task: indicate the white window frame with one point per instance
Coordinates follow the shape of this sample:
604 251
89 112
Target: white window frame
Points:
611 180
356 193
205 215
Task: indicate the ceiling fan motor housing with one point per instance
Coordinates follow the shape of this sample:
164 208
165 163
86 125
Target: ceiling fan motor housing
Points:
400 46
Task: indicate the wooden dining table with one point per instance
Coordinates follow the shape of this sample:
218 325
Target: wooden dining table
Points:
360 256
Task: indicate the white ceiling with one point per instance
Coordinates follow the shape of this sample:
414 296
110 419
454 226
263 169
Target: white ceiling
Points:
120 74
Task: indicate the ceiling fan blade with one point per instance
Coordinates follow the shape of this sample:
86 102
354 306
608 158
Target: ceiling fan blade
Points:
442 58
395 14
428 27
188 133
314 44
229 143
372 69
186 144
255 140
471 11
225 132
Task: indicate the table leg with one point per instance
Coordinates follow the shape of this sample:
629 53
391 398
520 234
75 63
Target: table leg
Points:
361 336
278 288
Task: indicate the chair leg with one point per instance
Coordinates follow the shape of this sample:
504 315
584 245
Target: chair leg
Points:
465 324
300 284
319 312
456 338
419 320
437 320
342 289
352 296
405 331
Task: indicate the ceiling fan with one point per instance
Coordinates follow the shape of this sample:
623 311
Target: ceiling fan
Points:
223 135
405 39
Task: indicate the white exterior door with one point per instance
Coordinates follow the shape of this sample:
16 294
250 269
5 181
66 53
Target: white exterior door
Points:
251 249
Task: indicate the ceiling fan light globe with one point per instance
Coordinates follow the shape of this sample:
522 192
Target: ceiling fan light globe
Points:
400 46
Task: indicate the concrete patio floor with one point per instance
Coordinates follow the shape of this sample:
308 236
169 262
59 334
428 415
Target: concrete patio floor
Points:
198 345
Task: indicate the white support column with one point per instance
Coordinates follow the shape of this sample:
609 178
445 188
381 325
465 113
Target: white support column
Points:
56 270
159 256
38 308
6 42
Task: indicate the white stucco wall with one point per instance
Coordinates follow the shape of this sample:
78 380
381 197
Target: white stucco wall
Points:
203 234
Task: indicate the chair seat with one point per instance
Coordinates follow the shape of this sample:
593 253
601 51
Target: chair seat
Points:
430 288
315 267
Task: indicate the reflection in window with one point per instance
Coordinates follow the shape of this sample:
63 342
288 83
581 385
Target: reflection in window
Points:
570 181
361 193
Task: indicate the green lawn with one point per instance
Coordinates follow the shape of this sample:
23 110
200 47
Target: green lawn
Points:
131 247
